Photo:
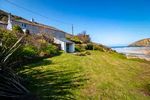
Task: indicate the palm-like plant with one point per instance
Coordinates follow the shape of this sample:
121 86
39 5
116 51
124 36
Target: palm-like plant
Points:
10 86
6 53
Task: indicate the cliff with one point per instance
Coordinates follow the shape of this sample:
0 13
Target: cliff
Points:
143 42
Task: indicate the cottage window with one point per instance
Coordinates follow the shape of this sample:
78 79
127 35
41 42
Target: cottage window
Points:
24 25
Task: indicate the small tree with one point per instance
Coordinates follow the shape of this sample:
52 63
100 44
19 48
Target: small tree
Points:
84 37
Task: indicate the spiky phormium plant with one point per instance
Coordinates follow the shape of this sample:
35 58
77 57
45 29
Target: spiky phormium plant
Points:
10 87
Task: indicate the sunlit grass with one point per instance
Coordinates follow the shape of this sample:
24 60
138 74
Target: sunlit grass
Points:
106 76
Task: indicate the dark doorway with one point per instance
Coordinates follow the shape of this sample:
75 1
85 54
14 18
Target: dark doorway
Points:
67 47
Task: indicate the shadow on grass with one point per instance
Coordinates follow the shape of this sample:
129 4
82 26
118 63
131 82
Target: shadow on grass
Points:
42 62
52 84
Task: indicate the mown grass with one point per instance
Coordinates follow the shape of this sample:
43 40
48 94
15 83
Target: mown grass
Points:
99 76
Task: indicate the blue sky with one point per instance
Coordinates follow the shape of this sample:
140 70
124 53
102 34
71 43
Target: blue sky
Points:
110 22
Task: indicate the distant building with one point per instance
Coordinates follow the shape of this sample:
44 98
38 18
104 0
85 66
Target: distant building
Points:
35 28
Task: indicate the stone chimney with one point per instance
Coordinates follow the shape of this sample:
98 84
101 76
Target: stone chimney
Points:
9 25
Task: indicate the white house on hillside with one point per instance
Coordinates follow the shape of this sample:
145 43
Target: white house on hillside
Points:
35 28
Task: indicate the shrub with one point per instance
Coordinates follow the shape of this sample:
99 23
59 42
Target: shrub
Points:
17 29
7 38
89 46
29 50
84 37
10 86
98 47
75 39
49 49
87 53
77 49
83 53
80 47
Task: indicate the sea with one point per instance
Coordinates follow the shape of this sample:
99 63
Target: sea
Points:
134 52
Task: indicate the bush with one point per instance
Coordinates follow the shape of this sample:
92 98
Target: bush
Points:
89 46
83 53
98 47
80 47
92 46
84 37
10 86
17 29
49 49
7 38
87 53
75 39
77 49
29 50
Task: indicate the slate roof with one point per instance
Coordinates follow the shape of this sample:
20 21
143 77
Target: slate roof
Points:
38 24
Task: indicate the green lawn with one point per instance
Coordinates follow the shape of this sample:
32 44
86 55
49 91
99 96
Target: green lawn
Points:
99 76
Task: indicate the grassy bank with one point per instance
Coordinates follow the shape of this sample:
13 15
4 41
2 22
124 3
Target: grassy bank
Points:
94 77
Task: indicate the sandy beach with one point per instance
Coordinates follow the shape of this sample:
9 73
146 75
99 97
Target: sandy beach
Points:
135 52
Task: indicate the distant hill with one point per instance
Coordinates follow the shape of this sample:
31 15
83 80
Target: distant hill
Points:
143 42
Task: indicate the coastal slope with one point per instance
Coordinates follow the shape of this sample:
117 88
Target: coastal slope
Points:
101 75
141 43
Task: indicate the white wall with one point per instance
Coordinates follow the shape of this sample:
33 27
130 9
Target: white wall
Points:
63 44
72 47
9 26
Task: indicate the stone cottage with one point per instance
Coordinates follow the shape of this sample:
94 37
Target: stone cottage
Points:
35 28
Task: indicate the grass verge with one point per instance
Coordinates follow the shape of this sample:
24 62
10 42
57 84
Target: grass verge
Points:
106 76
